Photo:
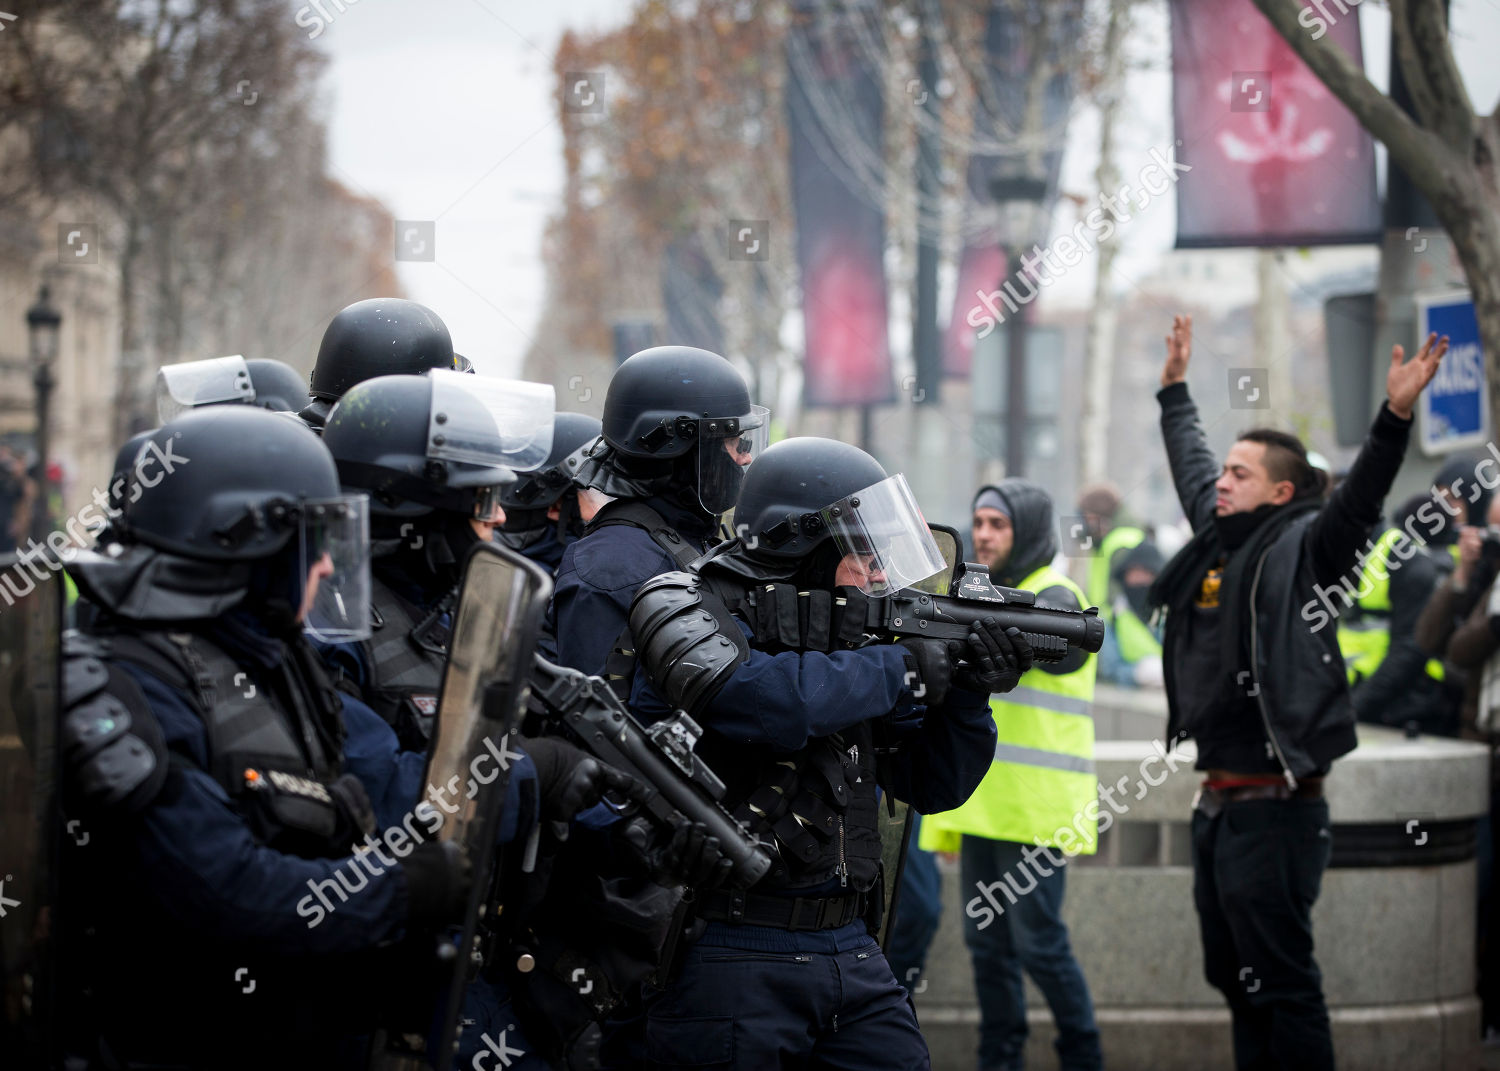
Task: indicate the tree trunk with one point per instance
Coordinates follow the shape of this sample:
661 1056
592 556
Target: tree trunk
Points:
127 371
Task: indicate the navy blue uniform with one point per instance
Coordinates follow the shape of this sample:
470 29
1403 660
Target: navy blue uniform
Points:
213 947
548 551
599 577
764 997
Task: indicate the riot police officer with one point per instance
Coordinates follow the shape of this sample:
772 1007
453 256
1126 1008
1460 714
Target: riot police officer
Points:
678 430
802 723
376 337
221 916
434 453
545 510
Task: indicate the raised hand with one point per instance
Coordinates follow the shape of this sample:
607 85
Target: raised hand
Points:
1179 351
1404 382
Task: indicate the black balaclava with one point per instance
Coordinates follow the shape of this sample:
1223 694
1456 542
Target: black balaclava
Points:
425 562
1144 555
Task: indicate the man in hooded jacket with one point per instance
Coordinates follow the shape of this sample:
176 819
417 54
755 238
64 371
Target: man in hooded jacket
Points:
1260 685
1029 814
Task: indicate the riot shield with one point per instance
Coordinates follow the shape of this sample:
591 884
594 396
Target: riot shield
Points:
895 835
30 826
500 606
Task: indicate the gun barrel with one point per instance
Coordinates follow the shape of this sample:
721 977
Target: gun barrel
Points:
913 613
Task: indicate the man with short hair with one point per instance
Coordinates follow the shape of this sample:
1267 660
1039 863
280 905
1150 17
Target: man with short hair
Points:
1260 685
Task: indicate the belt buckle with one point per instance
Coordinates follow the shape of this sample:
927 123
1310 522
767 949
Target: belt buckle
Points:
799 909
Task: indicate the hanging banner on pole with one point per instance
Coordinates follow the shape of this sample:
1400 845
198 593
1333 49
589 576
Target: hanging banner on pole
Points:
835 116
1275 158
1052 31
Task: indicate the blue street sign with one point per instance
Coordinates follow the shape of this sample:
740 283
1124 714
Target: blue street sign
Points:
1453 413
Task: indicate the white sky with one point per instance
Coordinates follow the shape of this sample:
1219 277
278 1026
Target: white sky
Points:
443 109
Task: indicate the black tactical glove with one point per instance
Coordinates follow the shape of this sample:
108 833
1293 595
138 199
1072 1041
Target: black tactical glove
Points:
569 780
685 855
929 668
994 658
438 878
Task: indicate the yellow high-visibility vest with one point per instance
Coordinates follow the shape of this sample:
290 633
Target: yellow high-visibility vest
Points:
1042 779
1364 642
1117 539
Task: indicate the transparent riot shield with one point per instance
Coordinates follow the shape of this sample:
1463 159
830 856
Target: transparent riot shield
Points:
30 633
500 606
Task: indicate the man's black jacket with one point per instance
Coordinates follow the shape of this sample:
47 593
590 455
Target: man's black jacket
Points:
1294 660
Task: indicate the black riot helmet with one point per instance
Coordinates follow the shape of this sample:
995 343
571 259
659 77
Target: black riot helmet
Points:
278 386
572 435
675 414
378 337
445 441
222 504
222 484
818 499
259 381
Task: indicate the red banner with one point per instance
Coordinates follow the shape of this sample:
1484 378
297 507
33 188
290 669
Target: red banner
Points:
1276 159
836 113
999 114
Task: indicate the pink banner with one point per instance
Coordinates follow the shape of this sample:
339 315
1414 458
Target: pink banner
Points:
1276 159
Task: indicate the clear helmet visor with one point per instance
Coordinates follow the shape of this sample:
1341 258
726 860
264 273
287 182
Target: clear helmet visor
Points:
191 384
726 446
335 539
884 540
483 420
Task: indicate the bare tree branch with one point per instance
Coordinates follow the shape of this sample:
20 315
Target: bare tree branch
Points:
1420 153
1424 28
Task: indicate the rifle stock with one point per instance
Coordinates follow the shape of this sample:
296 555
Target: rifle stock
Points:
660 756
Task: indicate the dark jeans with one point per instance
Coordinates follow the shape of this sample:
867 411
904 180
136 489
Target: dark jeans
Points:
1257 870
1027 933
919 909
733 1007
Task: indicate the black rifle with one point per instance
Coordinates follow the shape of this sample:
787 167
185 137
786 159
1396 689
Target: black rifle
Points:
1051 632
678 784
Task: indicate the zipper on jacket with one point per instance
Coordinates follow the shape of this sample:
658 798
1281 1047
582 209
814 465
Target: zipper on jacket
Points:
1260 699
843 865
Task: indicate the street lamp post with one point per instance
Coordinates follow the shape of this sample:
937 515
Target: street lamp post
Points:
1020 197
43 324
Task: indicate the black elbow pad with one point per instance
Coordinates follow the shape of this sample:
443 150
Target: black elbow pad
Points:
686 638
113 748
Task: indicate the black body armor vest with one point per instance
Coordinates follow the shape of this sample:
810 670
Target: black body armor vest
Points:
818 804
405 656
278 760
